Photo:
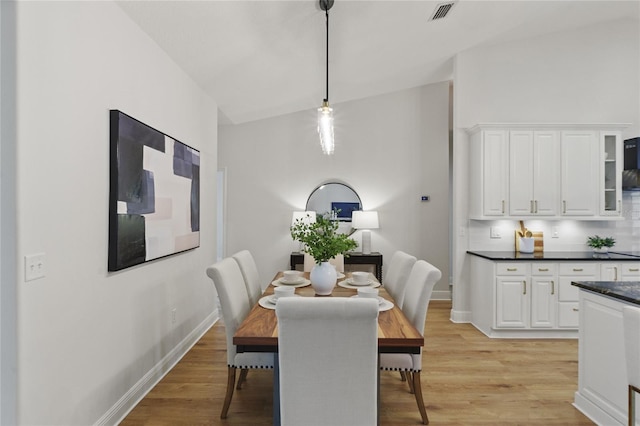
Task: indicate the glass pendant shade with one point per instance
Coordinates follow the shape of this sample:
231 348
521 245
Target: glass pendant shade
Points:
325 128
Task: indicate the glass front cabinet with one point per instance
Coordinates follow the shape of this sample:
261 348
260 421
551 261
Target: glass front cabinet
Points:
610 173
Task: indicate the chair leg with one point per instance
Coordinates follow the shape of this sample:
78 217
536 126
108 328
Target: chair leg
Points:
410 381
632 404
417 387
403 375
231 381
242 378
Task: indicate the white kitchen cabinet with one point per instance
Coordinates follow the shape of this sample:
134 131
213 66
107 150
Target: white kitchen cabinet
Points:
512 299
627 271
611 161
489 173
568 295
579 181
534 173
552 171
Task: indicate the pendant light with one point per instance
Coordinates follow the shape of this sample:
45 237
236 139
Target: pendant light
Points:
325 112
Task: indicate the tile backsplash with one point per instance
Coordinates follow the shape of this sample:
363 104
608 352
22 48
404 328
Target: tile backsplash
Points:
572 234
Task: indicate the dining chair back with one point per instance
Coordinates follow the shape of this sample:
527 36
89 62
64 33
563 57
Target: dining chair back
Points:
395 280
422 279
631 321
328 358
234 303
310 262
250 275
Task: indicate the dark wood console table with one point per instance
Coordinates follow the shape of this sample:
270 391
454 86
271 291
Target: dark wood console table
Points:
352 258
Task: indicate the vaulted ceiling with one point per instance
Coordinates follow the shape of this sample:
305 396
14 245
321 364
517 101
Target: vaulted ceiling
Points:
263 58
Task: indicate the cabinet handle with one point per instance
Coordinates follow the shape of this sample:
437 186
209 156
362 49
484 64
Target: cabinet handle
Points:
615 273
553 287
535 203
575 309
502 206
577 269
543 269
530 206
634 269
524 287
512 269
564 206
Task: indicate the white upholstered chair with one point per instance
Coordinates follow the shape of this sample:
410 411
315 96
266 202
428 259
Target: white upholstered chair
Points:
250 274
395 280
420 283
328 354
631 320
310 262
234 302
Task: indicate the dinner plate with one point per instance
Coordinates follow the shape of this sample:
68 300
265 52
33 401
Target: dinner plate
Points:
305 282
298 280
380 299
345 284
383 305
268 303
353 283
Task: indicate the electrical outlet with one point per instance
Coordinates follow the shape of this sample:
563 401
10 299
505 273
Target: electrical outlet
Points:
34 266
495 232
173 316
555 233
462 231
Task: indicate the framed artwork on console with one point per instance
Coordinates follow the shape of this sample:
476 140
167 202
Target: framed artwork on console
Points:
154 194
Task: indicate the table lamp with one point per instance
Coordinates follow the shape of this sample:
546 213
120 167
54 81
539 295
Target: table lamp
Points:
365 221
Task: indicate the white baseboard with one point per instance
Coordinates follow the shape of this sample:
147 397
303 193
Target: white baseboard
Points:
441 295
460 316
130 399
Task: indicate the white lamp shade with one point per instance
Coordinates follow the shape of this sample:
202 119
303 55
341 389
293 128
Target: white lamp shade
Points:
365 220
305 216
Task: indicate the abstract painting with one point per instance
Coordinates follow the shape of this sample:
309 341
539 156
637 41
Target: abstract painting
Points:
154 194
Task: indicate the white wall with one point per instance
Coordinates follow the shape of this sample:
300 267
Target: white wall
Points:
91 342
589 75
391 149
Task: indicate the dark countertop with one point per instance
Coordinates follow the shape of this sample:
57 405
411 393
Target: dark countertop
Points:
557 255
629 291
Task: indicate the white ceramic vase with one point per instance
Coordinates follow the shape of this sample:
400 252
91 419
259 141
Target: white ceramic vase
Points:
323 278
601 250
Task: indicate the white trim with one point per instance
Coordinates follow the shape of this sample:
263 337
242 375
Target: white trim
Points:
441 295
131 398
544 126
460 316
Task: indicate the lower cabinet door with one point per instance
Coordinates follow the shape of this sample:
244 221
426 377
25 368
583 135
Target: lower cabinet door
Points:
512 302
568 314
543 302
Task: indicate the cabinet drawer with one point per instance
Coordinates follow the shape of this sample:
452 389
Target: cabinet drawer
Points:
568 314
544 269
512 269
578 269
630 270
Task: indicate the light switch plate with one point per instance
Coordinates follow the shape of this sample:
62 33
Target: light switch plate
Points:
495 232
34 266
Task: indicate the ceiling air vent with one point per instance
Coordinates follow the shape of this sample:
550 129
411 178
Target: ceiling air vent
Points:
441 10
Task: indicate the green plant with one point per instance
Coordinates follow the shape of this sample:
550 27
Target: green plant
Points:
598 242
321 239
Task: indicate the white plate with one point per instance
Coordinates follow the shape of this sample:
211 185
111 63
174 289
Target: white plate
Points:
340 275
267 301
380 299
344 284
304 283
385 305
353 283
298 280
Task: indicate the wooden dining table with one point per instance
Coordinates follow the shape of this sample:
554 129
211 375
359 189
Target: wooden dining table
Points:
259 330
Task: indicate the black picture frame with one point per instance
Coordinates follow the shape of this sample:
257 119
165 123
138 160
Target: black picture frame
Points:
154 194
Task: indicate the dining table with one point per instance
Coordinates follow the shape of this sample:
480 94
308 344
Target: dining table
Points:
259 330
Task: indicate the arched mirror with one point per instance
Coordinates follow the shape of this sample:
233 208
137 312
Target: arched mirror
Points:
334 196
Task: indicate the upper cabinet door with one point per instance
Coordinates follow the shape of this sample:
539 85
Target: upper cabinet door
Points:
579 173
534 171
610 173
494 171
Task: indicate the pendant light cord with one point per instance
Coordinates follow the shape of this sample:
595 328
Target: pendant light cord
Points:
327 74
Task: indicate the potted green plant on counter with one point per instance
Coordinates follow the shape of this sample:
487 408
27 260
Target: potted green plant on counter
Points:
323 242
600 244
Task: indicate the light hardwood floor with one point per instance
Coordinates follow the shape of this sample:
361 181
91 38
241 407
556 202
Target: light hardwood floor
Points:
467 379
